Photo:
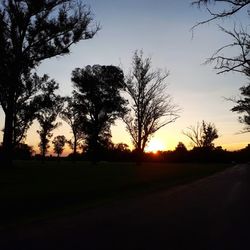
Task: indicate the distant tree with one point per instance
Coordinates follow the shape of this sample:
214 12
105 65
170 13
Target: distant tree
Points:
51 105
151 106
243 107
181 148
97 93
202 135
122 147
22 151
74 117
180 154
59 143
47 125
31 31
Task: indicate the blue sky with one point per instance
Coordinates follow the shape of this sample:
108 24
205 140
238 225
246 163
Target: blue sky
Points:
162 29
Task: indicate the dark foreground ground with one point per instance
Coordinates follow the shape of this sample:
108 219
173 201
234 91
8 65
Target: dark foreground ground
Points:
212 213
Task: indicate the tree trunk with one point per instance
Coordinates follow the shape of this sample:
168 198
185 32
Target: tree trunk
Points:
43 153
139 156
75 146
58 157
8 133
94 151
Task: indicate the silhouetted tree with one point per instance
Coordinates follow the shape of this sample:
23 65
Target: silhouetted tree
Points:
73 116
51 105
238 63
228 8
28 102
181 148
244 154
31 31
97 91
243 107
59 143
151 106
180 154
122 147
202 135
240 38
240 41
22 151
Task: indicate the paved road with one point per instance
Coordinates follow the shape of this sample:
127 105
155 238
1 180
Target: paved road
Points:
212 213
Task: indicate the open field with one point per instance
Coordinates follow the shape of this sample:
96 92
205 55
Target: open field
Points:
33 190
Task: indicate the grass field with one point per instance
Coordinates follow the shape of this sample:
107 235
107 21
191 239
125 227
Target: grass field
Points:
33 190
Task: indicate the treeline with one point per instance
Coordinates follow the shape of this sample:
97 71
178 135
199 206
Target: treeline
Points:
96 102
121 153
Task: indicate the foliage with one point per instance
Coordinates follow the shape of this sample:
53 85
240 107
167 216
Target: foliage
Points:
97 94
181 147
151 107
202 135
29 100
59 143
121 147
243 107
31 31
23 152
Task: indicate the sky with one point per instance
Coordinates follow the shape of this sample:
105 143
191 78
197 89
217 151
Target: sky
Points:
161 28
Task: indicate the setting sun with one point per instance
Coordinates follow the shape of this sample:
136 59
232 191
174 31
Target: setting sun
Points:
155 145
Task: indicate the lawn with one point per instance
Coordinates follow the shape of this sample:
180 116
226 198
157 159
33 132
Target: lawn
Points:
33 190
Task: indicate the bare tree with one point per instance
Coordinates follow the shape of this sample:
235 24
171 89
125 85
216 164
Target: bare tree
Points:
202 135
229 8
151 107
238 63
240 37
241 42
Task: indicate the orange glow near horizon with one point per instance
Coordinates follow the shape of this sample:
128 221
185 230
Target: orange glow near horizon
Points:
155 145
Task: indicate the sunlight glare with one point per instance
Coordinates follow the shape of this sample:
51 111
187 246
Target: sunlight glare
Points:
155 145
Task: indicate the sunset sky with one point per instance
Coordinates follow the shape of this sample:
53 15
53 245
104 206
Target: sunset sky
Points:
162 29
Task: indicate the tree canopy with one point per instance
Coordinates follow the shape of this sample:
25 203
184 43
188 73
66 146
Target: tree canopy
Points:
59 143
243 107
97 92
